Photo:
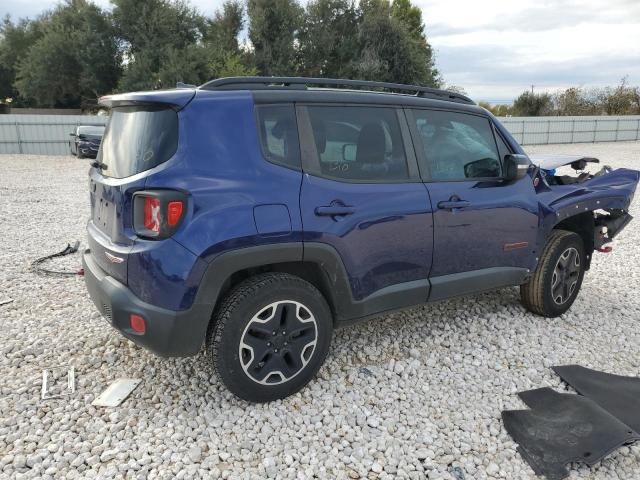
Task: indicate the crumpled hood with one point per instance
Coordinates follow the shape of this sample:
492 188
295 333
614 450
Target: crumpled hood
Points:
614 189
550 161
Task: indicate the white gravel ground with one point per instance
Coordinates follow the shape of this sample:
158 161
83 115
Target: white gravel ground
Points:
413 395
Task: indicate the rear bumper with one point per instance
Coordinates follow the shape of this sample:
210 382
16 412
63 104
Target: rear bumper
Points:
168 333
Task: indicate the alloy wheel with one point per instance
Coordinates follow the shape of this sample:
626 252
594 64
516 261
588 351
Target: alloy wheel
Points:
565 276
278 342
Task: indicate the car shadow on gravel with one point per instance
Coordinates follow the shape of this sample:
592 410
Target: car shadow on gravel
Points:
389 339
376 343
423 323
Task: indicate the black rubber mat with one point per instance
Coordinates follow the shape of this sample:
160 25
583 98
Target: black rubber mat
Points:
620 396
562 428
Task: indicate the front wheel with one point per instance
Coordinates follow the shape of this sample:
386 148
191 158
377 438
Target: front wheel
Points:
555 285
270 336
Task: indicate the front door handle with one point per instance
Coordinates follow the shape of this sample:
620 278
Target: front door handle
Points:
451 204
334 210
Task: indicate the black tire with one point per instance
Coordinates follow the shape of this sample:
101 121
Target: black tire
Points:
258 367
556 282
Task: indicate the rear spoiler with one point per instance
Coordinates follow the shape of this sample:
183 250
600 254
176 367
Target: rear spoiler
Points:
176 99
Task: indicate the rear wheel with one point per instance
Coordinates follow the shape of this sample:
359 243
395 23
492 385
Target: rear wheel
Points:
270 336
555 285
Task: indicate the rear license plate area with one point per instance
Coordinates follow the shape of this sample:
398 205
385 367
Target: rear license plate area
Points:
102 214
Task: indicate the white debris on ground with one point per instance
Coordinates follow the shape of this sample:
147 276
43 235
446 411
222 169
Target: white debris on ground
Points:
414 395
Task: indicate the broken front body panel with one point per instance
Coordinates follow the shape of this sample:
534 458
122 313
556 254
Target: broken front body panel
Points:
597 204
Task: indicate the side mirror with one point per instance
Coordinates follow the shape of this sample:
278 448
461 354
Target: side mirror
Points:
516 166
483 168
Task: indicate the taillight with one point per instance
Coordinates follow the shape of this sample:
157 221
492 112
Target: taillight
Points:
152 214
174 212
158 213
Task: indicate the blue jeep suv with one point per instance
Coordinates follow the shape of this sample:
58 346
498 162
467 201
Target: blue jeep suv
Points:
255 214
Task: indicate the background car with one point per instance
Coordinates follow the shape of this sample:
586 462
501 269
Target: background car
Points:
86 141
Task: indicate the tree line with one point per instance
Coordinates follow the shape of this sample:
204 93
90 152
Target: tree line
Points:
622 99
69 56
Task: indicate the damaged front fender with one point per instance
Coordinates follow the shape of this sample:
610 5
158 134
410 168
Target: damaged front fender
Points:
595 206
614 189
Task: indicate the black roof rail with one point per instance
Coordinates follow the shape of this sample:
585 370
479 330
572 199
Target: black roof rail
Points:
302 83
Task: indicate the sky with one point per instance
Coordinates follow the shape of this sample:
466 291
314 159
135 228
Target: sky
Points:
496 49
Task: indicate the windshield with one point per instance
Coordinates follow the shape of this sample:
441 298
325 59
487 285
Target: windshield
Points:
138 139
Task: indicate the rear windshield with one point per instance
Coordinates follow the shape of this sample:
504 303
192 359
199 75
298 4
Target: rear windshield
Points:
137 139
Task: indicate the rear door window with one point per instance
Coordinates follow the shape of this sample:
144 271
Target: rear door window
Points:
457 146
137 139
358 143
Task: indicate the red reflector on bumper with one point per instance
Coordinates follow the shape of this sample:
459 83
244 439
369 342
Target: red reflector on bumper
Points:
137 323
606 249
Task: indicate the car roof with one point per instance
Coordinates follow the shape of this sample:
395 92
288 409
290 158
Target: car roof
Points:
304 90
347 97
328 90
305 83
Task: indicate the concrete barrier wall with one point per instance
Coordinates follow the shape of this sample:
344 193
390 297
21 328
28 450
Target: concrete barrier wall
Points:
545 130
41 134
49 134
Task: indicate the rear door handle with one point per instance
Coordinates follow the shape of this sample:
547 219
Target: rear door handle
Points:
334 210
451 204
